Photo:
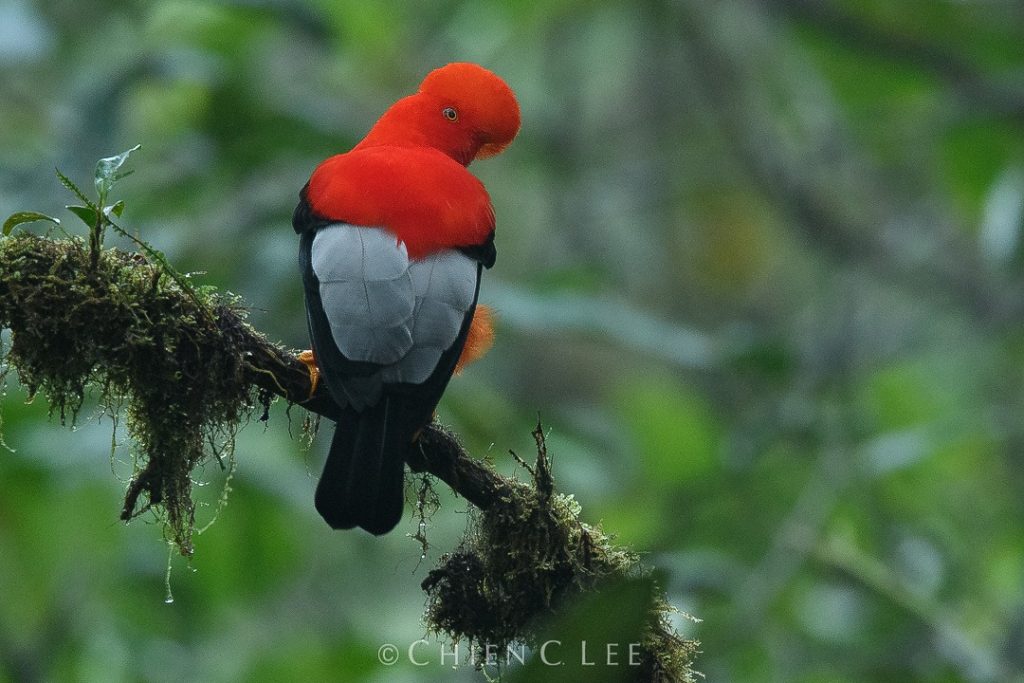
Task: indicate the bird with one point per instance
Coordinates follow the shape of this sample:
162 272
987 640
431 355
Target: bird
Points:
393 238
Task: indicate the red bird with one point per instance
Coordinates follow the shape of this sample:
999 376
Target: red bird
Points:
394 235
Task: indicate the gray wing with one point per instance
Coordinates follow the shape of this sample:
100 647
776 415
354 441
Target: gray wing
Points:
366 292
444 285
386 309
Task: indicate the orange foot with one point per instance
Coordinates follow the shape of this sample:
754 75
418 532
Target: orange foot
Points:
307 359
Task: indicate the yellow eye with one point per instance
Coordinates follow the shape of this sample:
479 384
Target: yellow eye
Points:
450 114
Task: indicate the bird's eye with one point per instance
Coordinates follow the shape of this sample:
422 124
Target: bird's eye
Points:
450 114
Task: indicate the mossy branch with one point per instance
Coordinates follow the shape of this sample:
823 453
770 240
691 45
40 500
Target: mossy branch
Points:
189 370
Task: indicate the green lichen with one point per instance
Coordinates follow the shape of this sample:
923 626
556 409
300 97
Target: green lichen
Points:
526 556
119 324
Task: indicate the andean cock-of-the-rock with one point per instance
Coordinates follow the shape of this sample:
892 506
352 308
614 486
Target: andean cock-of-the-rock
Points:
393 238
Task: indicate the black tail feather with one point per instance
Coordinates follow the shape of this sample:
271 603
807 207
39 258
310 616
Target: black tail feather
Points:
332 499
363 479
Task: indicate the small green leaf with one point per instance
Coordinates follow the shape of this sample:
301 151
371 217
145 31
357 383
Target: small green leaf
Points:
86 213
26 217
108 171
115 209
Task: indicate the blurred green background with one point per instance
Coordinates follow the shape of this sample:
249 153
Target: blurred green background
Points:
760 271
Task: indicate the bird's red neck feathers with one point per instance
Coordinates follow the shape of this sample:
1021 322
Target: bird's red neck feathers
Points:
408 174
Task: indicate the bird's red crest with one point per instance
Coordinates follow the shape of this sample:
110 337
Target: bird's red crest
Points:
461 109
482 97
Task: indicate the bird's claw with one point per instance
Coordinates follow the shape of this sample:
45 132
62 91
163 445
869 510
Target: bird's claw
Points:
309 360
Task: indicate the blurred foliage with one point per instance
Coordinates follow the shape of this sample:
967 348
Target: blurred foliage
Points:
760 270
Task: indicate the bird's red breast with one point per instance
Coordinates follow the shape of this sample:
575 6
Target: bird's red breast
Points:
427 199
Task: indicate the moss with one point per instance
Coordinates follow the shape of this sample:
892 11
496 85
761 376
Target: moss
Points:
525 555
126 329
175 359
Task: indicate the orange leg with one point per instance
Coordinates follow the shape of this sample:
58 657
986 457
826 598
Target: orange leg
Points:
307 359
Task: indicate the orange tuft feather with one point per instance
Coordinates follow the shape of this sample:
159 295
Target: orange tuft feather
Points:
479 339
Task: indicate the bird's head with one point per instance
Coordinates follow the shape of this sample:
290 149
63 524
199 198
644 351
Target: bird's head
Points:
462 109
